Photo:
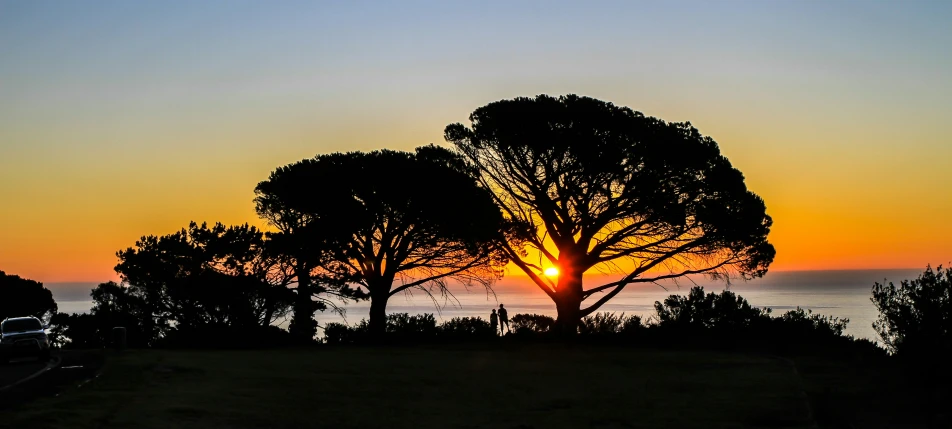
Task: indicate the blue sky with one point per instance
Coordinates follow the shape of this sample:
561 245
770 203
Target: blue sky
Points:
119 119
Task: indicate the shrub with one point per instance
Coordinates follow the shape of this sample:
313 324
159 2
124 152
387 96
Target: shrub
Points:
915 318
76 331
531 324
407 326
603 324
466 327
808 323
339 333
400 327
723 311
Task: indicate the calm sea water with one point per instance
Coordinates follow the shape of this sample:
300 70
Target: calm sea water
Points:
843 294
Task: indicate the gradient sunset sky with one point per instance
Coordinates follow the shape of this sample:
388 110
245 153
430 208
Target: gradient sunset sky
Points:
120 119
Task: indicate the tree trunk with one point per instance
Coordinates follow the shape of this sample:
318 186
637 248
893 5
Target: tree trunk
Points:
568 301
378 314
303 326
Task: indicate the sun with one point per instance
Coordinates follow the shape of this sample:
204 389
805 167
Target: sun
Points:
552 272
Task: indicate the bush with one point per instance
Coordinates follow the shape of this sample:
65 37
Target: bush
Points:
915 318
466 327
339 333
531 324
400 327
724 311
405 325
605 324
77 331
806 323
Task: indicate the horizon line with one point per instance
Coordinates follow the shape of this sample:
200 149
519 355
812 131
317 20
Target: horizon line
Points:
603 274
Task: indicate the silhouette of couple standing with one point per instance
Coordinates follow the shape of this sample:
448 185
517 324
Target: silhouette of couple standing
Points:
500 319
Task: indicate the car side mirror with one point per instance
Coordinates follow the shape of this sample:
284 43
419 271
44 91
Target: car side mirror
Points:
46 326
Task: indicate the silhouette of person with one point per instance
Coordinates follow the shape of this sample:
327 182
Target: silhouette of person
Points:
494 322
503 320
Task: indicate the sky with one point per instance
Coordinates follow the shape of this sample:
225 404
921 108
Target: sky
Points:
122 119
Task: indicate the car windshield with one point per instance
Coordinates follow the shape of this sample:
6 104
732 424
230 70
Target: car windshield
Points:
22 325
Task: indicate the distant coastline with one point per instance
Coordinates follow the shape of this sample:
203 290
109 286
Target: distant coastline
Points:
840 293
805 279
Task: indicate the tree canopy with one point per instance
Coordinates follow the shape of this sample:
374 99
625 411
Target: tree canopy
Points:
598 186
20 297
200 276
293 241
390 221
915 317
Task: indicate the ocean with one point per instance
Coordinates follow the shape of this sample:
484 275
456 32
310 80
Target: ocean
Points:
843 294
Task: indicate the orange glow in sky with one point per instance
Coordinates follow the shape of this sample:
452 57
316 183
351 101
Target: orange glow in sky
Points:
123 120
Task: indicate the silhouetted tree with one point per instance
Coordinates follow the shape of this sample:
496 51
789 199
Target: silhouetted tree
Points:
532 324
725 310
599 186
607 324
390 221
915 318
114 305
304 254
199 276
21 297
74 331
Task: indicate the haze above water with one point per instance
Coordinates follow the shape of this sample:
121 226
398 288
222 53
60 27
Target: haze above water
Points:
843 294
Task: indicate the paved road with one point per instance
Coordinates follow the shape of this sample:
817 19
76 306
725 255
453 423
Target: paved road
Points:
74 367
19 369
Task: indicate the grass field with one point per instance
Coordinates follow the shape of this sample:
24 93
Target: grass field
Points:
463 387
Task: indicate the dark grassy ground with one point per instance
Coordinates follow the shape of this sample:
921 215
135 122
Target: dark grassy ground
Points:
531 386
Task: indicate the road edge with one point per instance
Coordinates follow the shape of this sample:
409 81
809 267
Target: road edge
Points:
53 363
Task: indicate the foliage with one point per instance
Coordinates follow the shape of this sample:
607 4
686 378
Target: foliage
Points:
389 221
21 297
199 276
727 320
114 305
712 311
295 245
915 318
402 327
606 324
79 331
602 184
531 324
466 328
339 333
807 322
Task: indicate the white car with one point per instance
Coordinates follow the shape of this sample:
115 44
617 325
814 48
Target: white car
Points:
23 336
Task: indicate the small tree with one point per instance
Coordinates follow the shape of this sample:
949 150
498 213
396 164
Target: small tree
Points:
198 276
725 310
21 297
390 221
597 186
915 318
